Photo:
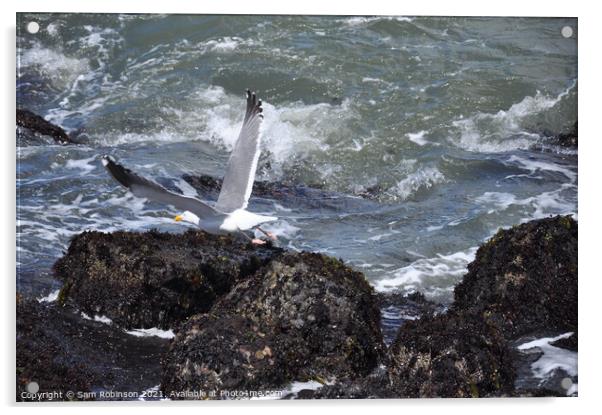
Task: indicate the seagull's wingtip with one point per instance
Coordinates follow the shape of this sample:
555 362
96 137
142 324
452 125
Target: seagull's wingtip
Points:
106 159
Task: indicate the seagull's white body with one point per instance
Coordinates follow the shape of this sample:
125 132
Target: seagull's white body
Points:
229 214
239 220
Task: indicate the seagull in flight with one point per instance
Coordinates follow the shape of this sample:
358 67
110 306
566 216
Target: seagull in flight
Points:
229 214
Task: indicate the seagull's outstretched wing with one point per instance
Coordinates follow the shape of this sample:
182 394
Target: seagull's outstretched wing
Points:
145 188
240 173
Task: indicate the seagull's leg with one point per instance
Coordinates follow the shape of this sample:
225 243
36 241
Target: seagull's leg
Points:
268 234
254 241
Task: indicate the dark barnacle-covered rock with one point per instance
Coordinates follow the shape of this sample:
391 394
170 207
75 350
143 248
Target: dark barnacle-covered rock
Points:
153 279
59 352
39 125
451 355
301 317
522 281
525 278
252 319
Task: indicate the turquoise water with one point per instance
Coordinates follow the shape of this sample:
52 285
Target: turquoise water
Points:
442 120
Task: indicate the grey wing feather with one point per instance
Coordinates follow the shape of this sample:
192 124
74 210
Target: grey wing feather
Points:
240 172
145 188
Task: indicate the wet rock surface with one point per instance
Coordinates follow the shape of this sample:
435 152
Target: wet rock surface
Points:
471 350
524 279
252 319
153 279
291 194
37 124
569 138
451 355
302 317
569 343
61 352
445 356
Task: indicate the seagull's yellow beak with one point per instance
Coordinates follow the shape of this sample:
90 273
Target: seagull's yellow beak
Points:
178 218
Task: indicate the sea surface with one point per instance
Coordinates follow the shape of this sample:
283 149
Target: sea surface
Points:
443 122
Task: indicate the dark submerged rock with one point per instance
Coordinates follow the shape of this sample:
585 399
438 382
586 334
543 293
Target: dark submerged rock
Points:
569 343
62 352
569 138
34 122
292 194
524 279
153 279
301 317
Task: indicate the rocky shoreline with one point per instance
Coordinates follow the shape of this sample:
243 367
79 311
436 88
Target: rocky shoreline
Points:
255 319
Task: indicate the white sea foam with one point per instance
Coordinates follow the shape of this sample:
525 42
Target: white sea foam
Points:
85 165
378 237
225 44
281 208
417 138
100 39
53 223
425 272
103 319
535 166
506 129
52 29
60 70
77 76
294 388
423 178
163 136
50 298
100 319
294 129
164 334
540 206
551 203
553 359
297 387
496 201
361 20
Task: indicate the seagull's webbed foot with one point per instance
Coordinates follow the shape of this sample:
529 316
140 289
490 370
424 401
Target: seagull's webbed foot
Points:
270 235
254 241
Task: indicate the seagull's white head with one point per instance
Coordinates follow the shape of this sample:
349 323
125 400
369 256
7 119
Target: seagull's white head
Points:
188 217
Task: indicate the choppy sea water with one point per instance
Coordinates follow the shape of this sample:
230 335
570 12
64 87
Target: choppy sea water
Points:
442 120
